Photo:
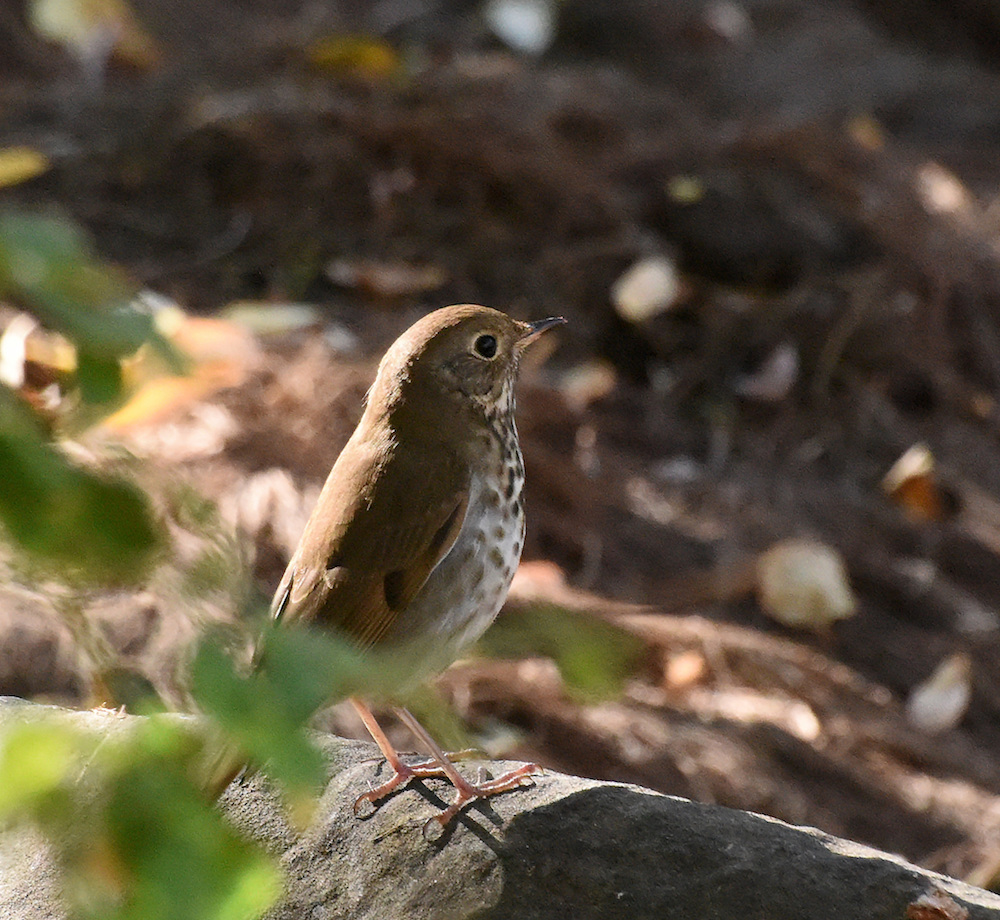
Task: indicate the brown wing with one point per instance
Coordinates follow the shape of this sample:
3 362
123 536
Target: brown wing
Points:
381 525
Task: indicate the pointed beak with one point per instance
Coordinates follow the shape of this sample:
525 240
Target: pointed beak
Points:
533 330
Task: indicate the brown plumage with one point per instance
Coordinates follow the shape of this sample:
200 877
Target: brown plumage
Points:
419 527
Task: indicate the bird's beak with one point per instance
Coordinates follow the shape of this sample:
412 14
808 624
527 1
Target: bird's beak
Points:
533 330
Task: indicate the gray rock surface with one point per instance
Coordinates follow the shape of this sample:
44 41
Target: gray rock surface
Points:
568 847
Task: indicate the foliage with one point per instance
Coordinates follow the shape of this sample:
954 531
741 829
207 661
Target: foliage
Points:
594 657
136 837
90 526
87 525
126 812
131 812
265 713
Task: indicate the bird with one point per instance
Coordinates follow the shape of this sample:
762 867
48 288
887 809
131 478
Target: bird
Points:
414 540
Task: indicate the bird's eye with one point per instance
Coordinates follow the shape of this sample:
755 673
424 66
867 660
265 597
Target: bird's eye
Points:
486 346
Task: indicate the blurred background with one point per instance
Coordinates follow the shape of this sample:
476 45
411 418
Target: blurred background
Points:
763 556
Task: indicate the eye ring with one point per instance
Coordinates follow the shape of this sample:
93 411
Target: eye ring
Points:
485 346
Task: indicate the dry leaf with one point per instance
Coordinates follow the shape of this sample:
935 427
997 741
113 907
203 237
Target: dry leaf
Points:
220 353
867 132
941 191
936 904
685 190
354 56
93 30
649 287
272 318
684 669
385 279
803 584
586 383
19 164
940 702
526 26
911 484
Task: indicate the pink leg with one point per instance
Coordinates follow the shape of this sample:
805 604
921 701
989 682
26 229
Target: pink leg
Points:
467 792
401 773
440 766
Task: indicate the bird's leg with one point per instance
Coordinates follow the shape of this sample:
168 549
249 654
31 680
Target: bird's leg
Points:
439 767
401 772
467 792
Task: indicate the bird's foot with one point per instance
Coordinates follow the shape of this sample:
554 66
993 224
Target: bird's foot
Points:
470 792
402 773
440 766
364 805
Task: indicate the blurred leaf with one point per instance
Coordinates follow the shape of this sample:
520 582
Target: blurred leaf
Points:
35 760
804 584
93 527
386 279
649 287
136 836
526 26
19 164
180 860
88 26
354 55
48 265
912 484
307 668
264 318
266 712
210 354
594 657
100 378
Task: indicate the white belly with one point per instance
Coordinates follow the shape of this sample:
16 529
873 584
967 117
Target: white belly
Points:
468 586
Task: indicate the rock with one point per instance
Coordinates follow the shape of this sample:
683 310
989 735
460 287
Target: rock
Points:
568 847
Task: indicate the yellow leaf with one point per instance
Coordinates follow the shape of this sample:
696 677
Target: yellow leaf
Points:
92 27
220 353
19 164
912 485
354 55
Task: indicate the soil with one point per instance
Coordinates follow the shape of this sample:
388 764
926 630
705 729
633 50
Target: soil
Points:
823 177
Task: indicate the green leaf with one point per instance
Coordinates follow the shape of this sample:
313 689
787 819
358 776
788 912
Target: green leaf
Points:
306 668
297 671
35 760
257 718
49 264
594 657
99 377
179 860
133 832
93 527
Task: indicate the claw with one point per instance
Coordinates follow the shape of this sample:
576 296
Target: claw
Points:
439 767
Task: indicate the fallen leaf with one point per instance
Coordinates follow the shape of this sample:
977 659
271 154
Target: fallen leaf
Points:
911 484
940 702
649 287
220 354
803 584
684 669
385 279
355 56
19 164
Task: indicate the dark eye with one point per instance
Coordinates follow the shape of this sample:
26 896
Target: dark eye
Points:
486 346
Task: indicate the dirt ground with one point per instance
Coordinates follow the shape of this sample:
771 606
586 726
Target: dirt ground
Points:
823 177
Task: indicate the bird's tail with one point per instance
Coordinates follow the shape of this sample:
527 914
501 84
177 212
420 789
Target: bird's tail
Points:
223 761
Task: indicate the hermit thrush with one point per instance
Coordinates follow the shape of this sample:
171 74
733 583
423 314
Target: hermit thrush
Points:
418 530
